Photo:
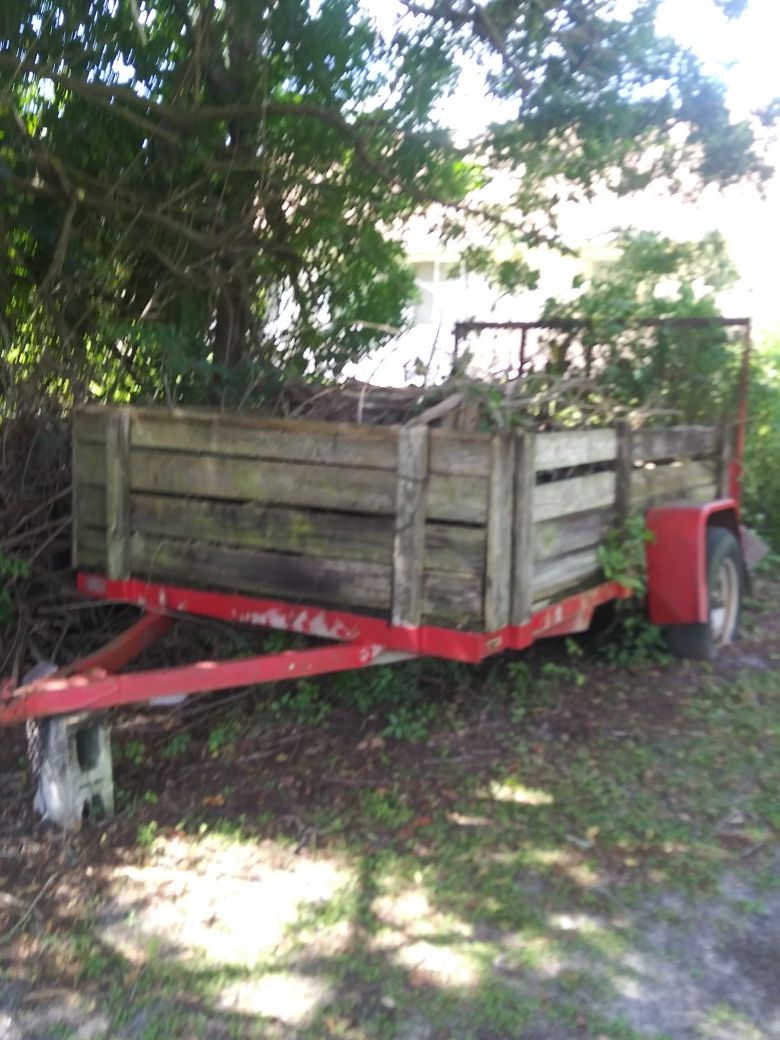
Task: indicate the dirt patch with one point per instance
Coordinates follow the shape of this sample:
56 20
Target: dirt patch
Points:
550 847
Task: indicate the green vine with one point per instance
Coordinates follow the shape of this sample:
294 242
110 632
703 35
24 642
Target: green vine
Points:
622 554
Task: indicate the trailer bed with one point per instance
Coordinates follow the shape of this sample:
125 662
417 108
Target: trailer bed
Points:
413 525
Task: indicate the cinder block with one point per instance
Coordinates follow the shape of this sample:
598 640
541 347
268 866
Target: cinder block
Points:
75 778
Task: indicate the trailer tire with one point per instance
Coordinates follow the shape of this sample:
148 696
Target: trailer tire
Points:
725 587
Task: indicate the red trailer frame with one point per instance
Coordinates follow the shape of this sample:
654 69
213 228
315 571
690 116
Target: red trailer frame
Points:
677 594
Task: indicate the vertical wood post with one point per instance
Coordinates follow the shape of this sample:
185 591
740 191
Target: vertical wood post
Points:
118 494
409 541
723 460
624 464
498 568
523 548
74 496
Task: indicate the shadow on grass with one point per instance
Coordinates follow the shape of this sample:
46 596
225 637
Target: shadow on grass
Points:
568 864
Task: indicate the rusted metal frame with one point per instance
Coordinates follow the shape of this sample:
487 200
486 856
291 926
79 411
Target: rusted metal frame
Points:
98 690
114 655
427 640
93 688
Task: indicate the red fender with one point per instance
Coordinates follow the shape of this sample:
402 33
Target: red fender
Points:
677 559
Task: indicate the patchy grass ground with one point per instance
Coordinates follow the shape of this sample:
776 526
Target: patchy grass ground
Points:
557 846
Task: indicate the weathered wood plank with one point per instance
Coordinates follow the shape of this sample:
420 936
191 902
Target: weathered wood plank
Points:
92 546
351 489
498 563
524 534
452 453
306 578
90 508
574 448
455 548
576 495
333 444
448 547
409 537
75 508
674 442
89 424
452 600
460 500
253 526
564 573
655 485
460 454
347 488
569 533
117 449
89 463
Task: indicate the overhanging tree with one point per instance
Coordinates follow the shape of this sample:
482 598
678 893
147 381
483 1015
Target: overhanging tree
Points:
200 196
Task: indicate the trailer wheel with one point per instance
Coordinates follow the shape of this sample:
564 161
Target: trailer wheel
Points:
725 584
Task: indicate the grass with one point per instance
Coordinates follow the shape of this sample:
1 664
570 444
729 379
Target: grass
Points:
489 857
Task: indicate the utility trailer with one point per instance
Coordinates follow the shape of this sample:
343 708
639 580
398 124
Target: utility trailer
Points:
385 542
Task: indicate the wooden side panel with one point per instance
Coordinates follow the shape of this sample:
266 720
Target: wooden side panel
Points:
92 547
455 548
565 573
332 444
687 481
577 495
460 454
452 600
568 534
253 526
674 442
409 537
574 448
89 424
305 578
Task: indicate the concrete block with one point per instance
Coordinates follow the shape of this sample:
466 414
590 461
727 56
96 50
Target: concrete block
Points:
75 779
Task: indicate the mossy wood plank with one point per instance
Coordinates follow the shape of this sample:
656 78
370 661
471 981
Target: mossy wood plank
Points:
674 442
452 454
565 573
251 525
576 495
455 548
90 506
349 489
574 448
92 546
452 599
448 547
332 444
570 533
293 578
